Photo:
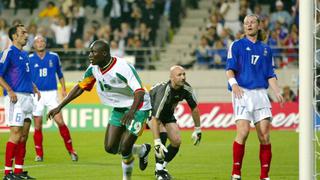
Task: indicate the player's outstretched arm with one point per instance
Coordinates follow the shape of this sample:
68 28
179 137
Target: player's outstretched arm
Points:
196 135
276 90
74 93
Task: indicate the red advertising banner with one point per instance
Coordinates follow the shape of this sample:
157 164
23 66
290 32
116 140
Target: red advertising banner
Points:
213 116
220 116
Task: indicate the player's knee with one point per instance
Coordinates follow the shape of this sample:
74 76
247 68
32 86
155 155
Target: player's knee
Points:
243 134
15 135
60 123
59 119
16 132
176 142
242 137
125 149
110 149
24 138
264 139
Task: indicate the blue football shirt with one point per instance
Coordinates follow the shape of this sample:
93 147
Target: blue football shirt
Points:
251 62
44 70
14 68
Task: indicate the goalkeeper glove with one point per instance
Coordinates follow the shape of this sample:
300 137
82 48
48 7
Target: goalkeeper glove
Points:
196 136
159 149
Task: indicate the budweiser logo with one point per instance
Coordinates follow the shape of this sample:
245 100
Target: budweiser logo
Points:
219 115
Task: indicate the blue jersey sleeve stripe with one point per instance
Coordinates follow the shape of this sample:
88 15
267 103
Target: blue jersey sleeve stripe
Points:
229 56
4 55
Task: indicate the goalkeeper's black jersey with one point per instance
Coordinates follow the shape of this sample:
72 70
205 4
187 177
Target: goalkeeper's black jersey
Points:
164 99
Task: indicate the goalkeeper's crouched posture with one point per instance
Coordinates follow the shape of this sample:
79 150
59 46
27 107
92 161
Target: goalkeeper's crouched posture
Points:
164 99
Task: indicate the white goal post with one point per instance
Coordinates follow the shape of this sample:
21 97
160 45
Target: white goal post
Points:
306 57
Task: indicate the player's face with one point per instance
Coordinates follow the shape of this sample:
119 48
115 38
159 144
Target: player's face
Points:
21 36
178 77
251 25
96 55
39 44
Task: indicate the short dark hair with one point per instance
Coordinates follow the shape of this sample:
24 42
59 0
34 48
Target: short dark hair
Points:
13 30
51 3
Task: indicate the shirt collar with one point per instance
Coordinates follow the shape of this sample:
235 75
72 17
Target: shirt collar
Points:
13 47
247 40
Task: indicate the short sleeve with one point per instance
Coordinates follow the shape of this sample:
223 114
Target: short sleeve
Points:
232 57
270 66
4 61
88 80
190 96
59 67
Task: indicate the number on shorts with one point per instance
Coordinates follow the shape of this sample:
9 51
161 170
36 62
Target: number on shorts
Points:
18 117
240 110
136 126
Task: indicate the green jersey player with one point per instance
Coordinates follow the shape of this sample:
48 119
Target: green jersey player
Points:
119 86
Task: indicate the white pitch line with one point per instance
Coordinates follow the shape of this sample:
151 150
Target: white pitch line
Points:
30 166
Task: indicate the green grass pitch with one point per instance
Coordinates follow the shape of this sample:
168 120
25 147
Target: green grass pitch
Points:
209 161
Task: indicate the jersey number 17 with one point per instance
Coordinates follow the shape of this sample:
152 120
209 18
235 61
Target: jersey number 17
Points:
254 59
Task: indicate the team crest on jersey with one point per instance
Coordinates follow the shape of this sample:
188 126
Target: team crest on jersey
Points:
265 52
36 65
50 63
113 81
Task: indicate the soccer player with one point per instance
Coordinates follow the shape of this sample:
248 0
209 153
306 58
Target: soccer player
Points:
15 78
250 71
45 65
164 99
119 86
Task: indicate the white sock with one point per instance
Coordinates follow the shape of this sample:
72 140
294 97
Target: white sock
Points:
159 166
139 149
236 176
127 170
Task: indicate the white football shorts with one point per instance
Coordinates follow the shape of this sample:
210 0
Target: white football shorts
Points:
48 99
15 114
254 106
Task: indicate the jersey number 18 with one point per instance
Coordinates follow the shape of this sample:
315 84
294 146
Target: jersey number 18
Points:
43 72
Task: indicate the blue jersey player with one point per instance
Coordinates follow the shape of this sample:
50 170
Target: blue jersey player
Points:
45 66
15 78
250 72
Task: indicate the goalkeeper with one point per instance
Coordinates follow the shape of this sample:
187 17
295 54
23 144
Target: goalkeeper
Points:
164 99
